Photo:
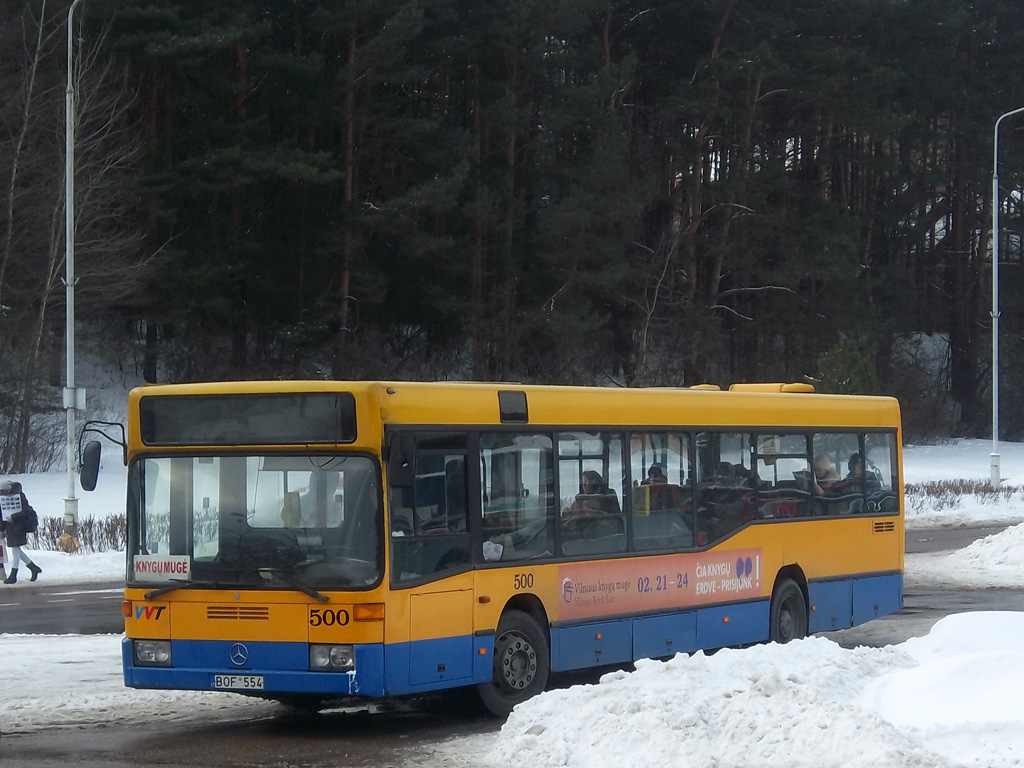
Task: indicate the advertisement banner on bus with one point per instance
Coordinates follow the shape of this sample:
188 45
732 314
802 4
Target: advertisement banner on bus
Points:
629 586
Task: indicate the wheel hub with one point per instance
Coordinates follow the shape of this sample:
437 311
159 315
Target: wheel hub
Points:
786 624
518 662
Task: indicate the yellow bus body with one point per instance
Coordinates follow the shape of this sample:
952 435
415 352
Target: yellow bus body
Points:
591 608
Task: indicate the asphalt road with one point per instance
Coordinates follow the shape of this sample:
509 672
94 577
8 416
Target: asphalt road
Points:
947 539
378 737
63 609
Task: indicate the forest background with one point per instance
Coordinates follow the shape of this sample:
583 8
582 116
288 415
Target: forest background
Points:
666 193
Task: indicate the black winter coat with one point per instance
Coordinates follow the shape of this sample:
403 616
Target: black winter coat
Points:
16 526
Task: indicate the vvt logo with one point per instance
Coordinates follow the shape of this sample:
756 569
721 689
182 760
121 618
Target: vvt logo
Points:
567 590
149 612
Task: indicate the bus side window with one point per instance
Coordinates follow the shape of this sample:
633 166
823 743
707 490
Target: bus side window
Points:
591 476
842 493
726 493
517 496
881 474
661 496
429 531
785 480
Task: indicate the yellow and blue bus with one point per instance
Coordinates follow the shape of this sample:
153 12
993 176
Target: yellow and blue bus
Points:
317 540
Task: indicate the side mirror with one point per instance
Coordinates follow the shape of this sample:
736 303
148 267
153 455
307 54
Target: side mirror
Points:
90 465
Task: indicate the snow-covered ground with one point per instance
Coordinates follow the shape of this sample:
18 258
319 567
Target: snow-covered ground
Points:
952 698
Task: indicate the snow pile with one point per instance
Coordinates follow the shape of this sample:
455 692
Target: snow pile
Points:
994 561
77 681
773 705
955 697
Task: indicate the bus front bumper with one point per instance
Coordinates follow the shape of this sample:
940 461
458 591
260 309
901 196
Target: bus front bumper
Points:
254 668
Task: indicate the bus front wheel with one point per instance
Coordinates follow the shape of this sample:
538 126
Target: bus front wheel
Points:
788 613
521 663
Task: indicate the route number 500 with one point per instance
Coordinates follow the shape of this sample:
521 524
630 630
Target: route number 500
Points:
523 581
328 617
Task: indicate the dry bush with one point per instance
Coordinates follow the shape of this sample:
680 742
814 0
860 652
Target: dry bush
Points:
102 535
951 494
954 490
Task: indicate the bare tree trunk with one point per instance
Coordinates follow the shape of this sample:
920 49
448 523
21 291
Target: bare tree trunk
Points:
15 451
695 214
741 158
22 453
348 196
239 318
32 271
16 149
966 304
480 226
150 355
509 278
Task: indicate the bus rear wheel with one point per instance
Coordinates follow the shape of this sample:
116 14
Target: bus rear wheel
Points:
522 663
788 613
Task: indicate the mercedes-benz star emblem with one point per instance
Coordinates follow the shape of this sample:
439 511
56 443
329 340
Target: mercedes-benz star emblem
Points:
238 654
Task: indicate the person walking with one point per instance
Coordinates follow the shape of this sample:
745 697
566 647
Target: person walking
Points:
19 520
6 551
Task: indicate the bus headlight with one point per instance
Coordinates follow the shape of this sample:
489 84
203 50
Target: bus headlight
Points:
331 658
152 653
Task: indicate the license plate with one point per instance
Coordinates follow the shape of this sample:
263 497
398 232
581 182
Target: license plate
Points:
238 682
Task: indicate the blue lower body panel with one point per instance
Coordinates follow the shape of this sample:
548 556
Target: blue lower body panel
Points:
590 645
877 596
432 665
658 636
738 624
428 665
577 646
844 603
831 605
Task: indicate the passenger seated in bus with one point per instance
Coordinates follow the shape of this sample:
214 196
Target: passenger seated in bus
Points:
870 479
825 485
824 475
595 512
835 496
655 475
734 476
594 497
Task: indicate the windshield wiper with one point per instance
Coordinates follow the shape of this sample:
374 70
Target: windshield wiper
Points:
179 584
291 582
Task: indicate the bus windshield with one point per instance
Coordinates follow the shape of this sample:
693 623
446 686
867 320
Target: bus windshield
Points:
288 521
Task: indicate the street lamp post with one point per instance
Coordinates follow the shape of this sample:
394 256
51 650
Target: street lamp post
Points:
73 398
994 476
